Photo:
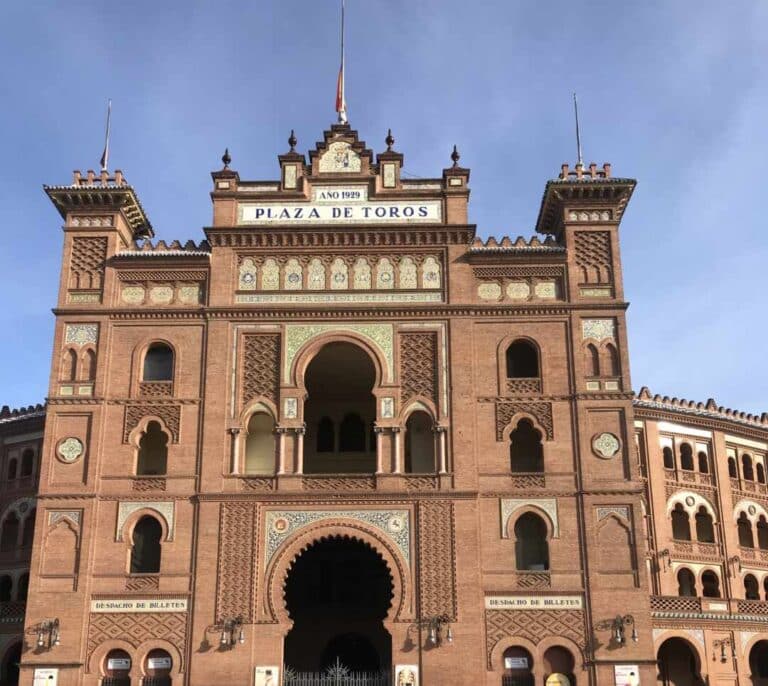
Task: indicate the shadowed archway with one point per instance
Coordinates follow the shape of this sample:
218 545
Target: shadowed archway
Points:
338 593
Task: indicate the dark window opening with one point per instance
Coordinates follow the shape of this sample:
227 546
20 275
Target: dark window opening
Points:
746 467
710 585
686 457
703 462
526 452
705 529
326 435
531 546
352 434
669 458
681 524
744 527
751 588
153 451
158 363
686 583
145 553
522 361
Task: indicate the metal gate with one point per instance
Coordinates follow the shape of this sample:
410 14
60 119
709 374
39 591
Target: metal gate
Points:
337 675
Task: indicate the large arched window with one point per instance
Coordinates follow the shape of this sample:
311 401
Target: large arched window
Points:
326 435
28 535
686 457
419 444
681 524
518 667
6 586
153 451
526 452
531 546
762 533
703 462
686 583
710 584
158 363
117 668
9 537
522 360
260 446
744 526
751 587
705 529
669 457
352 434
559 660
27 462
747 470
145 553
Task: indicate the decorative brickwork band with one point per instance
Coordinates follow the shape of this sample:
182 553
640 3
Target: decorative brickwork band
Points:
237 558
542 412
418 366
437 545
260 367
170 414
136 628
533 625
87 263
593 256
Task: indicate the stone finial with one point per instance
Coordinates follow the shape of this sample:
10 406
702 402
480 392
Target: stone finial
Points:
292 141
455 156
389 140
226 158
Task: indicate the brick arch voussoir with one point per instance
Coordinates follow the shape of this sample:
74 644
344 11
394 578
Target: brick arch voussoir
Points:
701 662
96 659
290 551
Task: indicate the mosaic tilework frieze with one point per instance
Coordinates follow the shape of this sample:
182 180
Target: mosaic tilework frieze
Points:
281 524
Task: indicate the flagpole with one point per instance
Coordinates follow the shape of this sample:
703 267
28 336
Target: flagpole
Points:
105 154
341 101
578 130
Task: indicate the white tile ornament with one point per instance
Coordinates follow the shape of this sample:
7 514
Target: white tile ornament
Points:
430 273
189 295
340 158
291 408
620 510
161 295
126 509
389 175
606 445
395 525
70 450
248 274
387 408
290 176
362 271
385 274
489 291
518 290
292 281
133 295
598 329
316 275
270 275
57 515
339 280
407 273
545 290
81 334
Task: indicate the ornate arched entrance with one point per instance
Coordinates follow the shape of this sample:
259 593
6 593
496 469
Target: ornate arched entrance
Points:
678 664
338 593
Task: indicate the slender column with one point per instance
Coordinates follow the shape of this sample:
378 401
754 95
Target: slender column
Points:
441 449
281 450
300 448
235 467
379 457
398 455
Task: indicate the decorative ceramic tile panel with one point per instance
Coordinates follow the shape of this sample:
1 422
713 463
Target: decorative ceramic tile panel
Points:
340 158
598 329
126 509
81 334
380 335
281 524
548 505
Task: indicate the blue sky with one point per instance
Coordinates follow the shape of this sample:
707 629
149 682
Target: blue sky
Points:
672 93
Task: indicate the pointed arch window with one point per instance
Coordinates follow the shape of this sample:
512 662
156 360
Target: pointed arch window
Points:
686 457
591 360
746 467
703 462
419 444
744 527
751 588
613 366
686 583
260 444
669 457
69 365
733 473
710 584
705 529
146 549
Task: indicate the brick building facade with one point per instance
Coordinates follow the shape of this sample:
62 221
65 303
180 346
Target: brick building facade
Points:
342 429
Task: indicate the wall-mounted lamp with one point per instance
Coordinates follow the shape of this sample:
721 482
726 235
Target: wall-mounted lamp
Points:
231 632
618 627
722 643
48 634
439 631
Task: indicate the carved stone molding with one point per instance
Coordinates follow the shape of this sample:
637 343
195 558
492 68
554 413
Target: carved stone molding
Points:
126 509
137 628
508 506
170 414
260 371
